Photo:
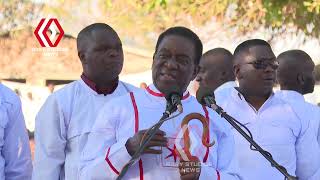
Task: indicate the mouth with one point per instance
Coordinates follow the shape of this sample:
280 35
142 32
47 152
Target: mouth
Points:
168 76
269 80
113 65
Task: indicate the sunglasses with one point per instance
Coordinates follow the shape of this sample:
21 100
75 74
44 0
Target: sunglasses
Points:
264 64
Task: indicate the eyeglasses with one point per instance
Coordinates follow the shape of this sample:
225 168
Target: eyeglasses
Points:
259 64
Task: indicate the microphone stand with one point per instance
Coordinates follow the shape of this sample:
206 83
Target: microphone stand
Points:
170 108
265 154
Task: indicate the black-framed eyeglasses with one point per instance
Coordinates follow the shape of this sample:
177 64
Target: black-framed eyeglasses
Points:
264 64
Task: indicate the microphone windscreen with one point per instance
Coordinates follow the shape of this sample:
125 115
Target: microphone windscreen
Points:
172 90
203 92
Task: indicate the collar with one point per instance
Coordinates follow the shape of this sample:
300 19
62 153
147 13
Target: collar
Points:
290 95
108 89
151 89
238 96
229 84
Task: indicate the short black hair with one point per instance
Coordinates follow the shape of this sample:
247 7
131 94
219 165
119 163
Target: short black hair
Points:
246 45
291 63
219 50
86 33
293 55
186 33
226 64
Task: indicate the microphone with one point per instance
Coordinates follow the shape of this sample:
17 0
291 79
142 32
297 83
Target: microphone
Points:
205 97
173 96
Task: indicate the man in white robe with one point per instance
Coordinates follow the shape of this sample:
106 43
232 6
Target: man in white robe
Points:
296 78
15 157
216 72
68 114
272 122
119 128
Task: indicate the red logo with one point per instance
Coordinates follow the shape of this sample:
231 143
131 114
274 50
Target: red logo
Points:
41 32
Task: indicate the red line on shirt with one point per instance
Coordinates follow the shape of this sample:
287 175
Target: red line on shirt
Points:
208 138
218 175
162 95
136 128
110 164
136 113
141 169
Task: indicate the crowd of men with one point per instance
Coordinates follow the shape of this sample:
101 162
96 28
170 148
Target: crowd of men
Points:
91 128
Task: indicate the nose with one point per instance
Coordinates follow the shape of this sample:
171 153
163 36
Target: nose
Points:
171 63
269 68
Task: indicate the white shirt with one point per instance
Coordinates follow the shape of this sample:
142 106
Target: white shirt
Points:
277 129
223 91
105 153
303 109
30 109
15 156
226 85
61 127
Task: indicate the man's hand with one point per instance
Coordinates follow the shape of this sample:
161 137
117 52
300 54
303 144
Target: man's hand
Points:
190 170
158 139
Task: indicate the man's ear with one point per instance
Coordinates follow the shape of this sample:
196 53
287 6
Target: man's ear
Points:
300 79
237 72
153 59
195 72
223 76
82 57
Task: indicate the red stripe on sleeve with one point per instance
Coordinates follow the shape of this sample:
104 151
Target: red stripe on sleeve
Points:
208 138
110 164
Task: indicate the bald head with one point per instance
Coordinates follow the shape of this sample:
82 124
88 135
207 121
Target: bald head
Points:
89 34
216 68
219 52
296 71
222 59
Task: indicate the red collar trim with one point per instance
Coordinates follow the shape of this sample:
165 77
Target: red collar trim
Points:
162 95
109 89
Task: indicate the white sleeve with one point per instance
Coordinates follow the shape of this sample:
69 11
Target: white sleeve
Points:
104 156
227 166
308 152
16 149
50 141
317 119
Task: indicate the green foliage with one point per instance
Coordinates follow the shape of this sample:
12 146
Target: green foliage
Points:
293 12
248 14
141 16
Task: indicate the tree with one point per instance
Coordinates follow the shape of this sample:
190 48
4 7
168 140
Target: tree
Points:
245 14
17 13
140 20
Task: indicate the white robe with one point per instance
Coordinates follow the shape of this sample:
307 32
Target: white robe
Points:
105 153
15 156
303 109
61 129
277 129
223 91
